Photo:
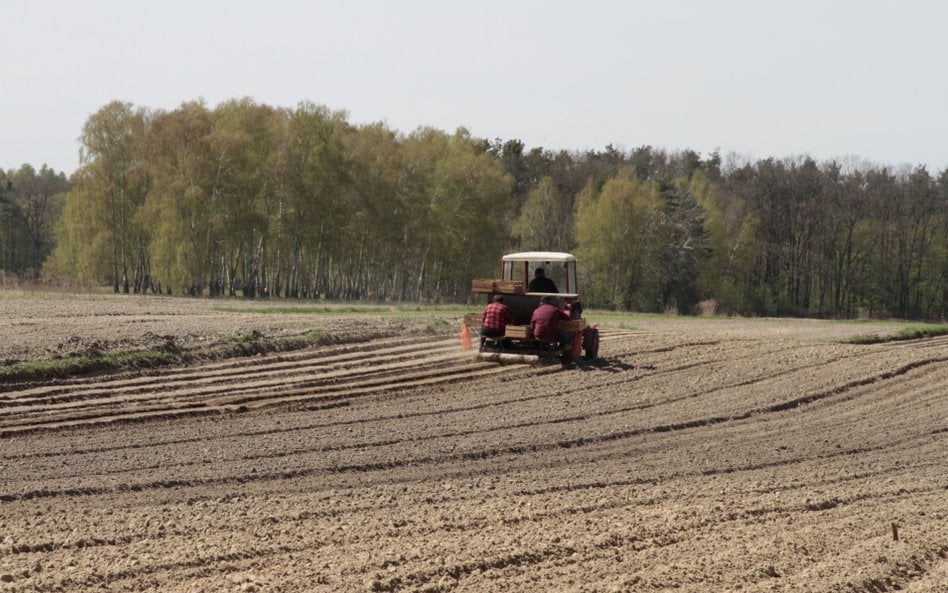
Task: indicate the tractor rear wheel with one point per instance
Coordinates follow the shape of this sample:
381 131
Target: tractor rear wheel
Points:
591 344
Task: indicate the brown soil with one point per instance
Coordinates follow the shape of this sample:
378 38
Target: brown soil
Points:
695 455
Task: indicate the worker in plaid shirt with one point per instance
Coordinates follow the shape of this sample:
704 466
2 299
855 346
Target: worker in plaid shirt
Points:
496 317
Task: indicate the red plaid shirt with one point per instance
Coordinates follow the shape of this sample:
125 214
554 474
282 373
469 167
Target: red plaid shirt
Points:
497 316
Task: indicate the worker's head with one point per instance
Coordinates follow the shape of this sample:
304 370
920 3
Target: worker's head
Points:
498 298
546 300
539 273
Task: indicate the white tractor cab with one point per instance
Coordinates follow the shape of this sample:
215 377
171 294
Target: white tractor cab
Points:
560 268
522 287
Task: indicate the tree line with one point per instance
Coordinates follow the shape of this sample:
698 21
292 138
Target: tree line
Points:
253 200
247 199
659 232
30 205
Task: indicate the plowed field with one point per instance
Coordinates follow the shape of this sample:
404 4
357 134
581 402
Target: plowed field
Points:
704 455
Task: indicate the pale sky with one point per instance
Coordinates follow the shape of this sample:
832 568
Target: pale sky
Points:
759 78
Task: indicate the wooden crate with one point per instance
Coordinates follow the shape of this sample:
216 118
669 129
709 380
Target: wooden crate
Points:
483 285
510 286
473 320
518 331
573 325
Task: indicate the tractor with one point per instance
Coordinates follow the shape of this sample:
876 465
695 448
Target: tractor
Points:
522 286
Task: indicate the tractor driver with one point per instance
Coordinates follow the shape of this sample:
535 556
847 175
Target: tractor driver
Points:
496 318
541 283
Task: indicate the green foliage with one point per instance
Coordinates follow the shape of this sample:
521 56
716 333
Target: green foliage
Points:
82 246
618 232
732 248
101 235
30 204
908 333
178 207
467 192
247 199
544 223
82 363
685 246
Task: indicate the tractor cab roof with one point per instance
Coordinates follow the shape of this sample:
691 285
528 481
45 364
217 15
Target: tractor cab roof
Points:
559 267
540 256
